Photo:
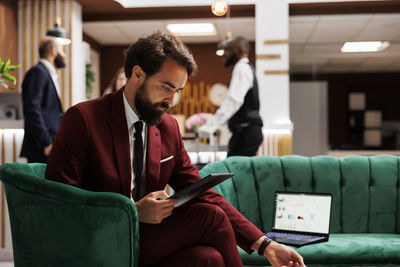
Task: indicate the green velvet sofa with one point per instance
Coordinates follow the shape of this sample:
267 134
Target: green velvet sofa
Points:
365 221
54 224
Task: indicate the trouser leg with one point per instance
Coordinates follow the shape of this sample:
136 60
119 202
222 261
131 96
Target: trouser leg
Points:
194 256
245 143
190 225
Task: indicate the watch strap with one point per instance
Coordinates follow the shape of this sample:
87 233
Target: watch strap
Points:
264 244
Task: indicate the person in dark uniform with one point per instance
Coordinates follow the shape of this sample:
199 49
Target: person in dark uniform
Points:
241 107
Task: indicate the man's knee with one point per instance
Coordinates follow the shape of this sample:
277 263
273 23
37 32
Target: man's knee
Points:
213 214
204 256
211 257
214 223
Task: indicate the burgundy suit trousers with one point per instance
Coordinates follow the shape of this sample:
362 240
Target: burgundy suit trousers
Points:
195 235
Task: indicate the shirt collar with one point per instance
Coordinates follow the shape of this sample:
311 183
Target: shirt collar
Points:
131 116
49 66
243 60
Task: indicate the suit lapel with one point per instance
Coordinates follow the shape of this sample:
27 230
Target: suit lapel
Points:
54 86
153 158
120 135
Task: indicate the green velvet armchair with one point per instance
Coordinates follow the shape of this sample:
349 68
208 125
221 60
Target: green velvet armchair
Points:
53 224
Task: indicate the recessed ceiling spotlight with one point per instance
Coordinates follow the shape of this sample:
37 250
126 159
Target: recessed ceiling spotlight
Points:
192 29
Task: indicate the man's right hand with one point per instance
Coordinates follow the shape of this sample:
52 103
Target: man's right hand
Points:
151 210
281 255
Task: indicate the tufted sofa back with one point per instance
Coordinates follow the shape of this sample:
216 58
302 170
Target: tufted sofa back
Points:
366 193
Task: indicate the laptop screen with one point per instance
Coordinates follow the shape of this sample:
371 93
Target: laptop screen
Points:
303 212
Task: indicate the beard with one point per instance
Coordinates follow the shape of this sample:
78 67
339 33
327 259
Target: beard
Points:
149 112
59 61
230 60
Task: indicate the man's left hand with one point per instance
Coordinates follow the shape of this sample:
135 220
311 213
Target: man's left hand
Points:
47 149
281 255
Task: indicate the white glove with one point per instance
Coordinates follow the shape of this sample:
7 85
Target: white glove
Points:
206 131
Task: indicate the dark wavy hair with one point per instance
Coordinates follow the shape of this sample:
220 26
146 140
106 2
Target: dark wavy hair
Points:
242 45
150 52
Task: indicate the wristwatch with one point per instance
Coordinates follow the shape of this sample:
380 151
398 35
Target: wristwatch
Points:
264 244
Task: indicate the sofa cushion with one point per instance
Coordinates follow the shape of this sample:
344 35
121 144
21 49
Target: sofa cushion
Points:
344 249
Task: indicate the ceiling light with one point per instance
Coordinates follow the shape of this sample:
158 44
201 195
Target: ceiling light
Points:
60 33
354 47
219 7
192 29
57 31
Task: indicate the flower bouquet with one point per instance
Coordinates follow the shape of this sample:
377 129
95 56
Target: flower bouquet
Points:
195 121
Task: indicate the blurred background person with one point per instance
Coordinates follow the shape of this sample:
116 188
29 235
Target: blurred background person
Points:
117 82
41 102
241 107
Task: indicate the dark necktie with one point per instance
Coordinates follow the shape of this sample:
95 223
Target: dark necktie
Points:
138 158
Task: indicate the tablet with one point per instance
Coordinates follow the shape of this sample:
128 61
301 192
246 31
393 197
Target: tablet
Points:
199 187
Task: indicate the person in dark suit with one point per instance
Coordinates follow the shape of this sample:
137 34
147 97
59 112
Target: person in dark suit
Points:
41 102
98 139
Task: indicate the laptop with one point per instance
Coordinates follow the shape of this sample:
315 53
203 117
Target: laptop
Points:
301 218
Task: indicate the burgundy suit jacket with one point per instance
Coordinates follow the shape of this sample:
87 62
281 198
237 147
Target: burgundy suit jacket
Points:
91 151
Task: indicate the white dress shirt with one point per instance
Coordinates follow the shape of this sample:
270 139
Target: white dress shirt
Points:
241 82
131 118
53 74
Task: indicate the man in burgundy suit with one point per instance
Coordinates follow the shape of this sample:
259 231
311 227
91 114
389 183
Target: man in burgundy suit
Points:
94 147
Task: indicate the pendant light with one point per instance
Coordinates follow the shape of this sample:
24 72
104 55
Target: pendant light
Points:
219 7
228 37
59 32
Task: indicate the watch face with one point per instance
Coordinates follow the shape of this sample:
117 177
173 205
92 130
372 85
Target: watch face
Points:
218 93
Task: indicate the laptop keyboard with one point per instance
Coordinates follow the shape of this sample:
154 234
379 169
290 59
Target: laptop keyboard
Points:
291 236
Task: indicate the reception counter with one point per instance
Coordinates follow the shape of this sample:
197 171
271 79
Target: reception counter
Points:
204 153
11 135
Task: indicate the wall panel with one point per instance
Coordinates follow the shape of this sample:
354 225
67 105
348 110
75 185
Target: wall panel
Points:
35 19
